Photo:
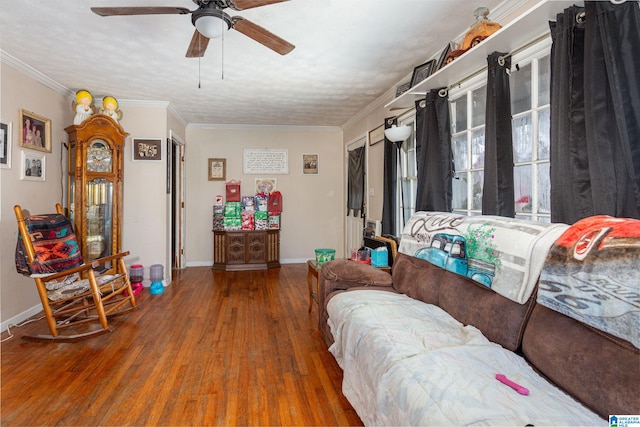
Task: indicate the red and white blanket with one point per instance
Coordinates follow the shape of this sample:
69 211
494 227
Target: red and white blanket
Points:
592 274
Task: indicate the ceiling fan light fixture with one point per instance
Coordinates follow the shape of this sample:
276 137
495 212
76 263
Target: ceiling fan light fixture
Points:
211 23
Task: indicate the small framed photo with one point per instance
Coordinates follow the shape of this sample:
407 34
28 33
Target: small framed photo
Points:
376 135
310 164
5 145
217 169
36 132
443 57
266 185
33 166
147 149
403 88
421 72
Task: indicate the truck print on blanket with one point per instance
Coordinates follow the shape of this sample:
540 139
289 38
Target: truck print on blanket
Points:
505 254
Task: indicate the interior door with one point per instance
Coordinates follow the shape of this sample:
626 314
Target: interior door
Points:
354 224
177 186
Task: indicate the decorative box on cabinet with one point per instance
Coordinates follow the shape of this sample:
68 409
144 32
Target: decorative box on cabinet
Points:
95 174
246 250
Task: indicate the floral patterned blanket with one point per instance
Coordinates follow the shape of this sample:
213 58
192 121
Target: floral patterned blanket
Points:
504 254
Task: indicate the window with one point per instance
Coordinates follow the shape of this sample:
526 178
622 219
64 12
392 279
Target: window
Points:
467 137
408 173
530 109
530 98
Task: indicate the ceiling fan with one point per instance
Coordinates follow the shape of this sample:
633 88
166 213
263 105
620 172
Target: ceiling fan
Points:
211 22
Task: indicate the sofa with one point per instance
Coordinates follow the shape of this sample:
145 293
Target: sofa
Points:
424 344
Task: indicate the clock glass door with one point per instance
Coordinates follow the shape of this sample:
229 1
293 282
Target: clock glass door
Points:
99 218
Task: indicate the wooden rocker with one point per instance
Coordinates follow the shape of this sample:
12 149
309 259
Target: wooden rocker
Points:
77 300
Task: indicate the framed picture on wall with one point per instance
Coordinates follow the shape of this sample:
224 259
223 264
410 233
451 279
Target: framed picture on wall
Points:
36 131
147 149
33 166
310 164
5 145
217 169
376 135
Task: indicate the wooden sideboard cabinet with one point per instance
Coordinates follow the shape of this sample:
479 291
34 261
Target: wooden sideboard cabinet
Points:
246 250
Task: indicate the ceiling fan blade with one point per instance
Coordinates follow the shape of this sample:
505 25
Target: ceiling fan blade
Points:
262 35
142 10
197 46
248 4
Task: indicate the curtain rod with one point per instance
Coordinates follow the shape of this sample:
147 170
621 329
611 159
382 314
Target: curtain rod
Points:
444 91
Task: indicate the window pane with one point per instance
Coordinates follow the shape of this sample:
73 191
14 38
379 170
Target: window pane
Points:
522 139
478 181
477 149
544 132
460 191
522 183
520 82
411 164
544 189
460 154
459 114
544 72
479 106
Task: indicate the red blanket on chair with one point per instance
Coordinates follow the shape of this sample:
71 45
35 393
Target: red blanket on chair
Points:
55 245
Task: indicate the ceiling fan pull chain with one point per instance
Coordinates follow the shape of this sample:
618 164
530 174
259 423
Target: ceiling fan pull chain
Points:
222 60
198 73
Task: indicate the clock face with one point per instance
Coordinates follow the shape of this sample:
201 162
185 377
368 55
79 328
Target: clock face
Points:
99 157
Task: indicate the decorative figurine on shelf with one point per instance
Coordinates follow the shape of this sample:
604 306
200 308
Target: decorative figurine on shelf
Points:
479 31
83 106
110 108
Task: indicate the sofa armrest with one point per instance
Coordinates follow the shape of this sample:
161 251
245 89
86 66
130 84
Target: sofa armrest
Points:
343 274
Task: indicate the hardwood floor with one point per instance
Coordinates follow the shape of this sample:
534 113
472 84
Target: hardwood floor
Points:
216 348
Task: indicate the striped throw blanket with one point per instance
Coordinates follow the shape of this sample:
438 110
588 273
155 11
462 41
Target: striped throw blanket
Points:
55 245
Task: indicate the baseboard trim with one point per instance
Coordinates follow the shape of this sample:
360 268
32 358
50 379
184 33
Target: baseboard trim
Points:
19 318
282 261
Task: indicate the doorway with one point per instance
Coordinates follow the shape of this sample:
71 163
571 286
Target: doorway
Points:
176 185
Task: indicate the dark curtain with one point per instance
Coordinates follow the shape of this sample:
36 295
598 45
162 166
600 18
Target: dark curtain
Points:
355 186
595 112
390 182
497 192
434 154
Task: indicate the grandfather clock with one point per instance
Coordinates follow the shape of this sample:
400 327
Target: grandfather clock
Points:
95 185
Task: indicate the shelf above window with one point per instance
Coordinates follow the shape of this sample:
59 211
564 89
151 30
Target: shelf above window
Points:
531 25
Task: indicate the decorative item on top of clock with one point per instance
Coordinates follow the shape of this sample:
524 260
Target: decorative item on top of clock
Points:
110 108
479 31
83 106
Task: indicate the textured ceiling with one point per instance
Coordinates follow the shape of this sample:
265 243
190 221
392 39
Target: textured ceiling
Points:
348 53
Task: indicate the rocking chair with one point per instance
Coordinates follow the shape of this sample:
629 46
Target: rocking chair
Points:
76 299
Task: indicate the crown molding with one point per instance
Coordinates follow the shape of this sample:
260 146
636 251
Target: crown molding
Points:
261 127
36 75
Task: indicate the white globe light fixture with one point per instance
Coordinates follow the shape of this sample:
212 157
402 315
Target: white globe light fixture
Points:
211 23
397 134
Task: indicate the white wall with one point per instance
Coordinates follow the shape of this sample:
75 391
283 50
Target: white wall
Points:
20 91
314 206
144 226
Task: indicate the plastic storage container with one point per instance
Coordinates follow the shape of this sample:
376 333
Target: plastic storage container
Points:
324 255
380 257
136 273
156 275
